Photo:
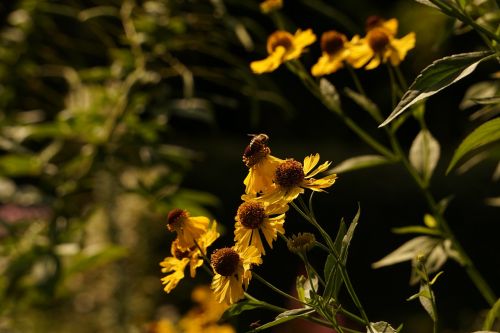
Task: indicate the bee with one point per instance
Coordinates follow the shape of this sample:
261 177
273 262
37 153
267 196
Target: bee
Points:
259 139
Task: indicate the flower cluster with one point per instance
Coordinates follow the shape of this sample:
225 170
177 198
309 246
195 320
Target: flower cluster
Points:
379 45
271 185
203 317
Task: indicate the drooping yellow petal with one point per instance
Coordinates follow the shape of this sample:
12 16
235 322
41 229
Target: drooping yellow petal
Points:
319 184
328 64
391 26
301 40
191 229
374 63
260 176
175 269
319 169
310 162
360 53
402 46
269 64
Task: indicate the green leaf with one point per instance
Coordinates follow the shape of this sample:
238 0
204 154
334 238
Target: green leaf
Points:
346 241
425 298
424 154
20 165
330 94
92 261
427 3
333 277
487 133
360 162
238 308
437 76
284 317
408 251
416 229
365 103
381 327
491 316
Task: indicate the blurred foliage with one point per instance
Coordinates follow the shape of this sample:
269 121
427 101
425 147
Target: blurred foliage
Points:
88 94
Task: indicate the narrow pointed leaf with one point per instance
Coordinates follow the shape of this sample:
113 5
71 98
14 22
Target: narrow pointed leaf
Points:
284 317
424 154
487 133
238 308
360 162
437 76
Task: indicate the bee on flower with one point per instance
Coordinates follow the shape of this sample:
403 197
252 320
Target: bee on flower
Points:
292 178
283 46
380 44
181 257
335 49
232 272
261 165
255 219
188 228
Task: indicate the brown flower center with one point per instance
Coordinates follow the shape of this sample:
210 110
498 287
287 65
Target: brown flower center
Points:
378 39
373 21
225 261
251 214
256 151
289 174
332 42
175 218
302 242
279 38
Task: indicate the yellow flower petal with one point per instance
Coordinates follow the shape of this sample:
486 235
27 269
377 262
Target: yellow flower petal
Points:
328 64
301 40
273 61
391 26
319 169
373 63
402 46
360 54
310 162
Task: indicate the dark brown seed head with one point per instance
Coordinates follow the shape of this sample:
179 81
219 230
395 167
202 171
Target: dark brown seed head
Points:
302 242
175 218
373 21
251 214
279 38
378 39
332 41
225 261
289 174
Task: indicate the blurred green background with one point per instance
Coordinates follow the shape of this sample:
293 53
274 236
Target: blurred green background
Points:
114 112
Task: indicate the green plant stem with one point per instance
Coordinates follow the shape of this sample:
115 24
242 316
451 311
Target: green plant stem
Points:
468 264
352 316
266 305
309 270
343 270
297 68
276 289
492 314
355 79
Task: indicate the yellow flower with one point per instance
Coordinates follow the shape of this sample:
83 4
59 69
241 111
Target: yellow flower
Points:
335 50
175 265
188 228
161 326
253 218
232 272
262 165
204 317
380 45
270 5
292 177
283 46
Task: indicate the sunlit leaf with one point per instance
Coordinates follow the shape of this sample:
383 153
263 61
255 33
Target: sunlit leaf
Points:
330 94
360 162
424 154
408 251
381 327
425 298
416 229
437 76
284 317
238 308
485 134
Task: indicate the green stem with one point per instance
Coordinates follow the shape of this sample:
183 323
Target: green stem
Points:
355 78
468 264
492 314
276 289
266 305
352 316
